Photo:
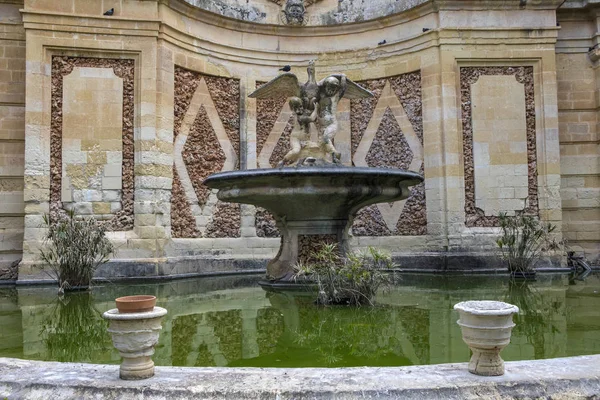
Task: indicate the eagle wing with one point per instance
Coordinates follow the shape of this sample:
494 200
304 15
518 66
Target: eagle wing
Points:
353 90
284 85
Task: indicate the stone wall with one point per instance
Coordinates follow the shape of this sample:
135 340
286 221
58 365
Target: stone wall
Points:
169 83
91 142
387 131
206 141
499 143
12 136
578 102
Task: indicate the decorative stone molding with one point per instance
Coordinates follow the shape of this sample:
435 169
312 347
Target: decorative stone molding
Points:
293 12
387 131
474 216
206 140
124 69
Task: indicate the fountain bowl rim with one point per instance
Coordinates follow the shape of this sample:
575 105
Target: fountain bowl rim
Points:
213 180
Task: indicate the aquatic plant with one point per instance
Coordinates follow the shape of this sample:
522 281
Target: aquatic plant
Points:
524 238
75 248
351 279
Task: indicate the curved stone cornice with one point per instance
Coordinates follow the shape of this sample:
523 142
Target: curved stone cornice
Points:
201 15
219 37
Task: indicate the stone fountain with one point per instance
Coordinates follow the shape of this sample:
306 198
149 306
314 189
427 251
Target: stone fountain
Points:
312 196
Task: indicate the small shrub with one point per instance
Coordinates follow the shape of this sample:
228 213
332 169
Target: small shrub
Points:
353 279
523 240
75 247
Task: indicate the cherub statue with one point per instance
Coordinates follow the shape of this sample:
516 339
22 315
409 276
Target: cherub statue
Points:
327 94
333 89
300 135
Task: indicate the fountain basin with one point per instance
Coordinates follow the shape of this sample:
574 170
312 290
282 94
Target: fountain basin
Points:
311 205
313 193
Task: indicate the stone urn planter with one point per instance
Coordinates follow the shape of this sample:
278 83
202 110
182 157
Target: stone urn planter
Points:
486 327
135 334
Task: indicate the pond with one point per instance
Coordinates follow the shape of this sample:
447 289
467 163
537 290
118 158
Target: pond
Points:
231 321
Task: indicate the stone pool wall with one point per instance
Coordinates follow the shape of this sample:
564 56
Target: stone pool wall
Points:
122 116
559 378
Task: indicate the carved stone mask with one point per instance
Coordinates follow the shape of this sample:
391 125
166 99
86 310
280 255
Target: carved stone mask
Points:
294 12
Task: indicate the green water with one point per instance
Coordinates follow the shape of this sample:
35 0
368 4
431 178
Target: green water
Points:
231 321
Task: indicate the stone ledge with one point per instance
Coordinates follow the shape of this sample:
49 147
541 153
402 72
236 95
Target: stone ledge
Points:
564 378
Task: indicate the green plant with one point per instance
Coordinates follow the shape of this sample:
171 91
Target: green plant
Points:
75 247
353 279
523 240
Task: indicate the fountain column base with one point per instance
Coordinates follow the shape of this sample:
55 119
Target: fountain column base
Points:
300 240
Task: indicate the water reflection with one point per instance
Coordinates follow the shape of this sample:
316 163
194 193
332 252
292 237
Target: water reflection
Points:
536 316
232 322
74 330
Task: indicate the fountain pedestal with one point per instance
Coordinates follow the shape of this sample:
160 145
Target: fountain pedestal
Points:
311 205
135 335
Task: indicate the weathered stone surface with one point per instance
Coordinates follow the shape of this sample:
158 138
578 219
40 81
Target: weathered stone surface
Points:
135 335
123 68
331 13
311 201
486 328
265 224
203 154
309 245
11 272
560 378
226 221
267 112
390 150
474 216
283 144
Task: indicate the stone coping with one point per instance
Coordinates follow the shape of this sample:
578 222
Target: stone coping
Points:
565 378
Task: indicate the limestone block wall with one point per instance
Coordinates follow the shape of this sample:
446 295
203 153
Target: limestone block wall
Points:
126 115
579 104
12 135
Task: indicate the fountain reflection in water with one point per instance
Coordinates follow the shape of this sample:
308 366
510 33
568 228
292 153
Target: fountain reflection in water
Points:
232 322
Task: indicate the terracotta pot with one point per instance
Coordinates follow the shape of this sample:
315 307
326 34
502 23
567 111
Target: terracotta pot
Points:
486 327
136 304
